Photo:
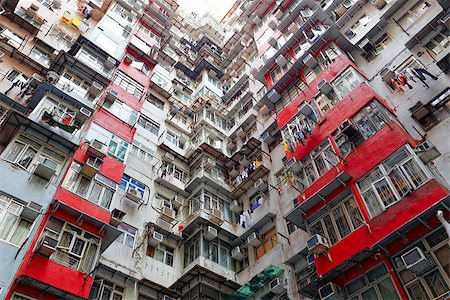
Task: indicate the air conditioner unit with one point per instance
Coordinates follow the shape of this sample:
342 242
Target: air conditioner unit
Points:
260 185
128 58
277 286
112 95
445 19
416 261
293 28
366 45
350 34
317 244
110 62
379 3
216 216
169 156
267 137
164 224
306 13
210 163
31 211
98 148
212 74
167 214
427 152
310 259
330 291
133 194
155 239
293 165
35 80
46 245
178 201
211 233
253 240
91 167
310 61
273 42
237 254
116 217
85 113
325 87
281 60
273 96
46 169
235 207
95 88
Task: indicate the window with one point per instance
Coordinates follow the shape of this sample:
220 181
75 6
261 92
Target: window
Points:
342 219
77 249
363 21
439 43
174 139
346 82
99 190
13 228
161 253
16 296
219 252
390 181
118 147
192 249
376 284
168 170
326 102
129 84
155 101
317 163
142 152
432 284
363 125
13 74
93 59
121 111
149 33
27 154
148 124
417 10
378 45
106 43
106 290
128 182
269 241
128 235
39 56
432 113
74 84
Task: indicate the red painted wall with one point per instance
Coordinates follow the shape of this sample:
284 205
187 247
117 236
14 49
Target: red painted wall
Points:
114 125
382 225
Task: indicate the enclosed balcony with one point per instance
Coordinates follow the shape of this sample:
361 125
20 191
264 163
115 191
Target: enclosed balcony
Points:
172 177
209 172
209 141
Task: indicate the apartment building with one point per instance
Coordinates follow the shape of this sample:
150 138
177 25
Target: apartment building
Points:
292 150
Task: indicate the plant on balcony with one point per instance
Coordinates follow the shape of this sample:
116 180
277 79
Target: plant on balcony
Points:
50 120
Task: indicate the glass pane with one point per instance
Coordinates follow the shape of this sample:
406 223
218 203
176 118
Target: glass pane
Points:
320 165
95 192
370 294
341 221
21 232
129 241
83 187
436 283
6 225
354 212
415 172
385 192
400 183
417 292
14 151
355 285
27 157
387 290
443 256
372 203
330 229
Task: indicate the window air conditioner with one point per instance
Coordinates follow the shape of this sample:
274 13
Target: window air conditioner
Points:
91 167
155 239
273 96
325 87
237 254
133 194
167 214
178 201
85 113
416 261
128 58
260 185
273 42
235 207
211 233
112 95
379 3
95 88
281 60
257 20
243 160
97 148
216 216
350 34
46 169
427 152
46 245
293 165
253 240
110 62
277 286
317 244
365 45
116 217
310 61
330 291
310 259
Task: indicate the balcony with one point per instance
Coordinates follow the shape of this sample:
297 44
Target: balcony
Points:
244 117
175 145
206 175
247 175
209 142
166 178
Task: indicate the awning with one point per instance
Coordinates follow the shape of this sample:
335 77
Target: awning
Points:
111 233
42 286
258 281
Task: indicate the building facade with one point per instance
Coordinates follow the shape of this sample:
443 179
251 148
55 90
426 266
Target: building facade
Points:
292 150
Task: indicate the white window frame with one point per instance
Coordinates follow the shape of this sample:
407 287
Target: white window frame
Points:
127 233
342 84
115 289
6 204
